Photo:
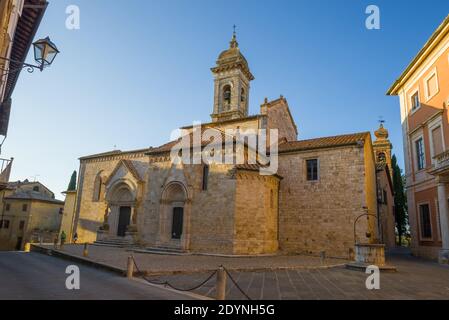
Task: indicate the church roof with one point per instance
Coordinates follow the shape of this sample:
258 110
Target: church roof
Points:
113 153
326 142
220 123
253 167
204 142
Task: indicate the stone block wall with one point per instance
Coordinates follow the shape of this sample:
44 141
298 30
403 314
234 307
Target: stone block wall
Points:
256 214
90 213
319 215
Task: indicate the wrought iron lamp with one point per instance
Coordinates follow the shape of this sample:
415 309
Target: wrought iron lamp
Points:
45 52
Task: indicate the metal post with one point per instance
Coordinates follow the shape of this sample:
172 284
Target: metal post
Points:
130 268
221 284
85 251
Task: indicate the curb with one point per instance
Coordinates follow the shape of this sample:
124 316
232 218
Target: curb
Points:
70 257
99 265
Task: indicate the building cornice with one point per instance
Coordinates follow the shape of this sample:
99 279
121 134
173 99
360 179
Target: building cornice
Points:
434 40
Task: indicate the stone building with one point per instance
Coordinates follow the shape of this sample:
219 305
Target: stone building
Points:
423 90
309 205
29 213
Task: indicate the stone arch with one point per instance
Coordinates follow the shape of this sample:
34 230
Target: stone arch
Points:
175 191
121 192
98 189
121 199
226 95
175 202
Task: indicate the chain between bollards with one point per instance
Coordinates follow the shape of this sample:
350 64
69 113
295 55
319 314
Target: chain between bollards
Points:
220 286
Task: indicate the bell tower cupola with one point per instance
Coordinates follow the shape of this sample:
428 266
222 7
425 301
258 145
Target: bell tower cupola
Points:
382 147
232 83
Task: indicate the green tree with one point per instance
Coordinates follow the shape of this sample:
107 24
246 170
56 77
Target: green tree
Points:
400 200
72 184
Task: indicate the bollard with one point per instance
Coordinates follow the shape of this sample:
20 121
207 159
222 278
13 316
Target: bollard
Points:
322 256
85 251
130 268
221 284
27 247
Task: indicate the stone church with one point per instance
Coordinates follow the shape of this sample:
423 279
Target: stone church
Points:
327 194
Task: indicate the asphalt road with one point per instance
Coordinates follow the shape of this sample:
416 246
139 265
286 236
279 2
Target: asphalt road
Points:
34 276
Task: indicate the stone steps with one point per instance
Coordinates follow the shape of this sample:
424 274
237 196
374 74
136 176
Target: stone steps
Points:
115 242
162 250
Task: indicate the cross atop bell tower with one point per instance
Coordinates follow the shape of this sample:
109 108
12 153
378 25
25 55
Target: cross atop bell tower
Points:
231 89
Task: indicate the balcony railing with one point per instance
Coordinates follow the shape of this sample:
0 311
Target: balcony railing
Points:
442 160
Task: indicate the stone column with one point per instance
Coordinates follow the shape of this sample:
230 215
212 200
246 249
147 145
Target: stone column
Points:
132 228
444 220
133 216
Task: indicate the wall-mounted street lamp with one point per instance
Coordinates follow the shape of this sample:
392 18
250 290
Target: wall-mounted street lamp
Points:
45 52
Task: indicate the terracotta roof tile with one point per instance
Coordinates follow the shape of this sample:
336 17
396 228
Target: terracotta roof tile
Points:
204 142
326 142
253 167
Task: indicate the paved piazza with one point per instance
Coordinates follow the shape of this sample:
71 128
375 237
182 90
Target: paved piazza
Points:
285 277
167 264
415 279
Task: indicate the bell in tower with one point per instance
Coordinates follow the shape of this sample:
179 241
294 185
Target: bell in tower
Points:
232 78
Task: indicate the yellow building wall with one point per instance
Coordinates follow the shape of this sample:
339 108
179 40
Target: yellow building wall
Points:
371 190
67 220
39 217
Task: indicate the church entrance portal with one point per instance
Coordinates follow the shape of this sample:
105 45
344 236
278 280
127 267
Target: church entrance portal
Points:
123 221
178 217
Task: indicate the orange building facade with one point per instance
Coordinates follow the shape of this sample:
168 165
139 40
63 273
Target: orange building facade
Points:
423 90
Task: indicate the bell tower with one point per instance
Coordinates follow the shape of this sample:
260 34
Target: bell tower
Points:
382 147
231 88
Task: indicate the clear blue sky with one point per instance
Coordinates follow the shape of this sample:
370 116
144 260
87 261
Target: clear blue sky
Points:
136 70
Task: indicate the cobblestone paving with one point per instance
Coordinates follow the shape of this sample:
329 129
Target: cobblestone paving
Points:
302 278
166 264
415 279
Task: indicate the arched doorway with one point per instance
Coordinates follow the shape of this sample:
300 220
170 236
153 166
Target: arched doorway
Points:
121 199
174 214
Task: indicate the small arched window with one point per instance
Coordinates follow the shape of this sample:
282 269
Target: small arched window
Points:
242 95
205 177
227 95
36 188
97 188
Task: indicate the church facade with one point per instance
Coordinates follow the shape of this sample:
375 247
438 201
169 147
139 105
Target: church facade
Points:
324 196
